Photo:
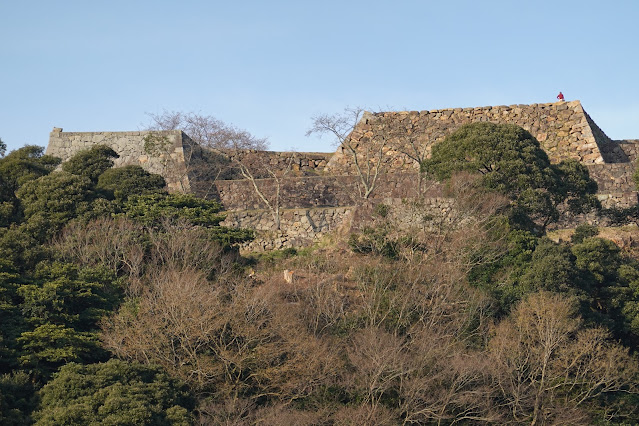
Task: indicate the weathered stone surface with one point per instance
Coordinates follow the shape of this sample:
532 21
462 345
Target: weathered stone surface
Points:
318 190
563 129
166 159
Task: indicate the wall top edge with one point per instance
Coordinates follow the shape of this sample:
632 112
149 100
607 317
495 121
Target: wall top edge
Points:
571 104
125 133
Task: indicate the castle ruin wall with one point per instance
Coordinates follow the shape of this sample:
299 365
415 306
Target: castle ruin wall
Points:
162 152
563 129
319 190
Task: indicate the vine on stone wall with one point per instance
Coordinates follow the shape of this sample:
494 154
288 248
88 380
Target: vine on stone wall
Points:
155 144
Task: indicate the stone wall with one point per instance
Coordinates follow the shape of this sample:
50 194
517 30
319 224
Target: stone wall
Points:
299 227
622 151
563 129
314 191
615 185
162 152
320 189
299 163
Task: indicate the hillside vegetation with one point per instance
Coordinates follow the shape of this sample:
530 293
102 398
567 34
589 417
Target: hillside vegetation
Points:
122 304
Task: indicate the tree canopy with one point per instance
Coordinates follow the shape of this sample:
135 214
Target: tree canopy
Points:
122 182
512 162
91 163
114 392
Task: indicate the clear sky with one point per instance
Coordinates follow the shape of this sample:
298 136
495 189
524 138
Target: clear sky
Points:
268 66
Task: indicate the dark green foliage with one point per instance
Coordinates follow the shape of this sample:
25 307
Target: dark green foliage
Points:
600 261
91 163
3 148
113 393
152 209
381 210
512 162
502 277
26 164
62 305
20 248
552 268
50 346
16 399
574 186
508 156
12 323
582 232
8 204
619 216
122 182
51 201
374 240
61 293
16 169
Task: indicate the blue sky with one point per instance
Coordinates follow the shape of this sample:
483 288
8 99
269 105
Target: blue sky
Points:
268 66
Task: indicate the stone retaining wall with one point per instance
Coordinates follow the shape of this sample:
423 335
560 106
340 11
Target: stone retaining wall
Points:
320 191
318 188
162 152
261 162
622 151
298 227
563 129
615 185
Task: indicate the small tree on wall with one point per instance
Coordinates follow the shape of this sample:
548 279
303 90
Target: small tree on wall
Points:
272 198
411 141
209 139
367 155
206 130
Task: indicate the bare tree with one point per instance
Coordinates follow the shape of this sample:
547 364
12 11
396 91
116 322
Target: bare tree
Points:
411 140
271 197
368 155
207 147
548 367
206 130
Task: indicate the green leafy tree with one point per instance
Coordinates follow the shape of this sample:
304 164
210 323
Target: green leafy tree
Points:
604 277
63 304
16 399
115 392
51 201
122 182
91 163
552 268
501 277
26 164
61 293
50 346
512 162
3 148
16 169
10 315
151 209
8 204
154 209
582 232
20 248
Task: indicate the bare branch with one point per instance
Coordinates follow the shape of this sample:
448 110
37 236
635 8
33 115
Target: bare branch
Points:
206 130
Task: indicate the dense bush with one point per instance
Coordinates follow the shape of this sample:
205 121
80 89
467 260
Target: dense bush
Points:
511 161
114 392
